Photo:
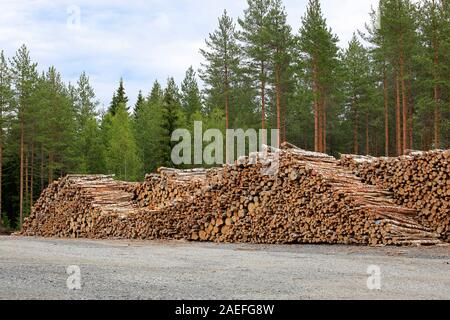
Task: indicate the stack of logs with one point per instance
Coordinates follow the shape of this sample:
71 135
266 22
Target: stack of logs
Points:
420 180
288 197
86 206
278 196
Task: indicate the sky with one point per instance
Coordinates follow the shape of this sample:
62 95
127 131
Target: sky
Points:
140 41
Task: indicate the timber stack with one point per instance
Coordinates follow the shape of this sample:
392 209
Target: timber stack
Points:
419 180
84 206
277 196
289 196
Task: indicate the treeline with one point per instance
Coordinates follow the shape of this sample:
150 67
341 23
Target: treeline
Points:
386 92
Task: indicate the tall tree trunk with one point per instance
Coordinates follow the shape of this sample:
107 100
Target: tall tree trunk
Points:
227 101
410 113
355 131
263 97
42 167
1 171
22 129
316 109
26 176
320 131
278 98
324 126
437 111
367 134
404 106
32 176
50 167
398 126
386 112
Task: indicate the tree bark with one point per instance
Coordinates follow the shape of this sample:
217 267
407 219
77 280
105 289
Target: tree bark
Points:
367 134
316 109
22 129
404 105
398 126
32 176
437 111
278 98
324 126
386 112
42 167
1 170
263 97
50 165
227 126
26 176
355 131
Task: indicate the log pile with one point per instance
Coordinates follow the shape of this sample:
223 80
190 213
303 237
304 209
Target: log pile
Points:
311 199
278 196
170 186
84 206
420 180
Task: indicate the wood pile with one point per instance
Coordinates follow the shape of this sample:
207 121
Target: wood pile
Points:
170 186
84 206
311 199
420 180
277 196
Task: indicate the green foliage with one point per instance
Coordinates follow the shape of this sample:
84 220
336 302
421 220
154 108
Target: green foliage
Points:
191 100
122 152
118 98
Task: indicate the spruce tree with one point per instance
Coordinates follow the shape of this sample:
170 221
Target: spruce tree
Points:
89 150
118 98
191 100
140 104
122 152
171 119
24 80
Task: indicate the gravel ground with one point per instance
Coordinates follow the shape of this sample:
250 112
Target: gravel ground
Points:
35 268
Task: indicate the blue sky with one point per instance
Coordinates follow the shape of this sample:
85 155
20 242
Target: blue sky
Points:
138 40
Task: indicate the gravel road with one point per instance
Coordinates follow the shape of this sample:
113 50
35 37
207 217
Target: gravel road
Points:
35 268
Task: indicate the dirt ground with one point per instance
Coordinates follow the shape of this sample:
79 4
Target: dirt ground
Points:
35 268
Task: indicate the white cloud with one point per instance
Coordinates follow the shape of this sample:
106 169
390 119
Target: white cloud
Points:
138 40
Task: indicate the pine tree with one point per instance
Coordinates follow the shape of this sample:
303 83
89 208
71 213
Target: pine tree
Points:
281 42
380 53
318 50
221 71
191 100
24 79
399 29
358 89
255 36
434 81
5 114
